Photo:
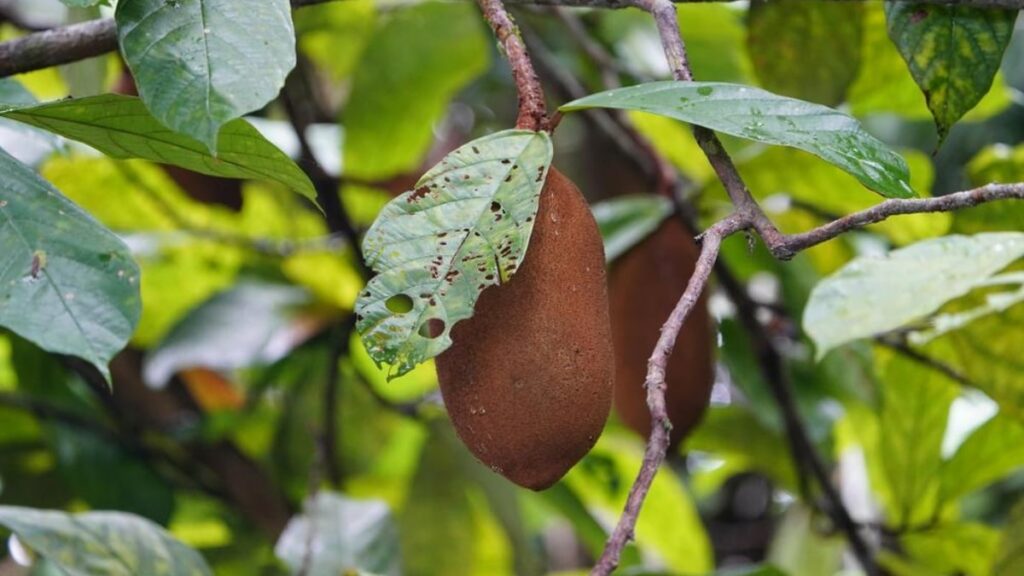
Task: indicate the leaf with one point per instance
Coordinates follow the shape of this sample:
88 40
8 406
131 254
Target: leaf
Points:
799 547
915 409
735 431
953 53
875 294
465 227
84 3
798 50
626 220
252 323
66 283
967 548
886 86
121 127
991 452
340 534
108 543
405 80
761 116
438 534
200 63
88 462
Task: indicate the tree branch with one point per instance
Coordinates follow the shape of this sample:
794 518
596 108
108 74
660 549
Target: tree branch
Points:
785 247
532 109
657 444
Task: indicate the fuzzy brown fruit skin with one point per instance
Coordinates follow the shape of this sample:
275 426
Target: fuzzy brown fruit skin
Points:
645 286
528 379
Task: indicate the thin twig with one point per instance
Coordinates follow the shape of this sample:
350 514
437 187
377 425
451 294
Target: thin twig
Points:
532 109
785 247
657 444
750 215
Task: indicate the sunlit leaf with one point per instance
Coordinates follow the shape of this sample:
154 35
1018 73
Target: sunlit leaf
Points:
336 534
994 164
953 53
967 548
404 83
875 294
989 453
66 283
464 227
797 50
109 543
201 63
626 220
915 409
761 116
121 127
438 531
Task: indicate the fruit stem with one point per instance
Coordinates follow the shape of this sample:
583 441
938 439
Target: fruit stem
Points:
532 109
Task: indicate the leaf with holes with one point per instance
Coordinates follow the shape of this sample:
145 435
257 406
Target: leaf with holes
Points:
761 116
875 294
201 63
953 53
109 543
121 127
66 283
464 227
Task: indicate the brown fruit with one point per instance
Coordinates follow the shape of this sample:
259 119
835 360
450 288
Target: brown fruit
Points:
528 379
645 286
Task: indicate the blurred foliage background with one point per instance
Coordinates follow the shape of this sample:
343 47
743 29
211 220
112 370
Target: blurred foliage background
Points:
247 418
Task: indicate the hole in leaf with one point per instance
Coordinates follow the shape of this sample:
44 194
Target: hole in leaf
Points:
399 304
495 207
432 328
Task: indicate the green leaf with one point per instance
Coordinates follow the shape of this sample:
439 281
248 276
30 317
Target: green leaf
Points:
915 408
108 543
761 116
200 63
85 3
798 50
66 283
736 431
875 294
991 452
626 220
438 533
967 548
886 86
88 462
407 76
252 323
953 53
465 227
800 547
339 534
121 127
